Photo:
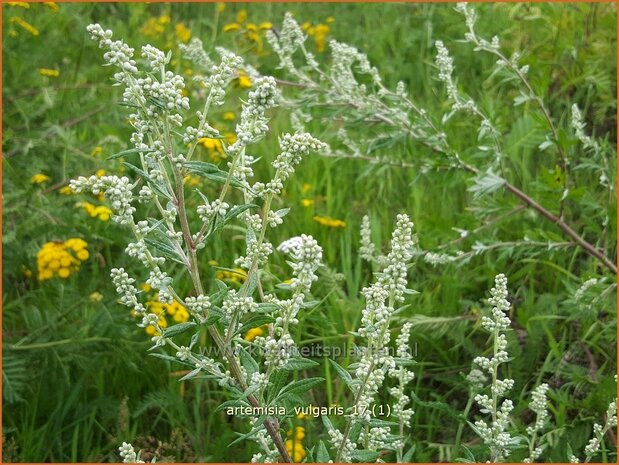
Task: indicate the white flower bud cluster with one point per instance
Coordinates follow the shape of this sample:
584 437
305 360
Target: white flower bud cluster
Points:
236 306
293 148
156 58
194 52
393 276
119 53
578 125
375 438
253 124
539 404
346 60
289 246
220 77
494 434
367 249
277 352
257 254
128 454
600 431
117 190
160 280
199 305
290 39
209 210
403 376
126 289
307 258
337 438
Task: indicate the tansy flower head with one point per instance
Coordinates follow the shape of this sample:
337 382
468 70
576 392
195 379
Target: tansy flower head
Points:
296 450
52 6
49 72
183 34
307 202
61 258
96 297
253 333
39 178
244 81
330 222
24 25
19 4
229 116
66 190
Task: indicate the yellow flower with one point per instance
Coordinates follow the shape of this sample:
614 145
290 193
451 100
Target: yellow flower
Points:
253 333
229 116
251 27
101 212
220 7
76 244
305 26
330 222
241 16
19 4
244 80
296 450
66 190
183 34
181 316
27 272
302 416
307 202
266 25
214 147
191 180
49 72
82 254
52 6
39 178
330 19
154 27
96 297
146 287
24 25
212 263
299 433
320 37
230 137
306 188
232 27
64 272
96 151
238 275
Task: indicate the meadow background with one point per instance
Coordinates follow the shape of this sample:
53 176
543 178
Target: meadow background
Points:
76 377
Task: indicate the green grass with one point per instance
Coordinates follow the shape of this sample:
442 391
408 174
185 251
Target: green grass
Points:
77 380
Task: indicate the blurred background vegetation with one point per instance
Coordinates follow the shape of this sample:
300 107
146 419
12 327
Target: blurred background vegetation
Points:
76 377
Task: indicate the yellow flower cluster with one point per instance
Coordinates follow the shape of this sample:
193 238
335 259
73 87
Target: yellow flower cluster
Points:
49 72
96 211
253 333
249 33
238 275
244 80
330 222
294 446
19 4
39 178
155 26
24 25
307 202
183 34
319 32
215 147
61 258
175 310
